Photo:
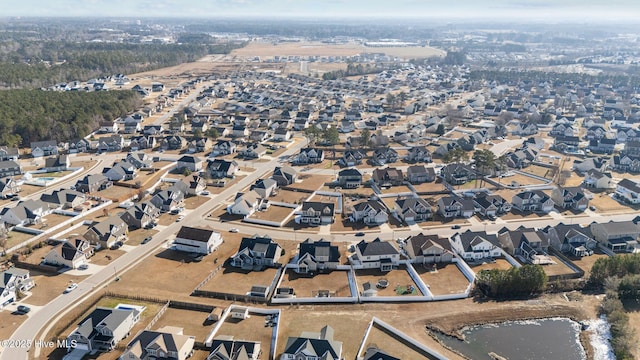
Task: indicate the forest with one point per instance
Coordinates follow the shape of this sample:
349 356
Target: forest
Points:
31 64
34 115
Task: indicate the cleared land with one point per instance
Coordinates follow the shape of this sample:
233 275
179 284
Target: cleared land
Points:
306 286
399 277
311 182
429 187
273 213
447 279
232 280
290 197
193 323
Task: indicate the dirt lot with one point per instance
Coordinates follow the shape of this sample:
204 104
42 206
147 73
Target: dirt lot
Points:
48 286
379 338
135 237
396 190
539 171
429 186
16 237
116 193
604 203
446 280
193 202
252 329
9 322
500 264
192 322
559 268
237 281
399 277
274 213
306 286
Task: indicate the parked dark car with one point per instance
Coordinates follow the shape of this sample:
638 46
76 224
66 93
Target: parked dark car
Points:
23 309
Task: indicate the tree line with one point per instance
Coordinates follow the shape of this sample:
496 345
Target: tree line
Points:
557 79
34 115
39 64
354 69
512 283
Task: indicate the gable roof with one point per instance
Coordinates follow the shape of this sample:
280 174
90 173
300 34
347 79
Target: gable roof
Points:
376 247
195 234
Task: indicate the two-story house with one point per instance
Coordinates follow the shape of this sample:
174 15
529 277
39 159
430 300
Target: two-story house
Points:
316 256
349 178
413 210
387 177
619 236
572 198
101 330
256 252
532 200
197 240
428 249
450 207
107 232
476 245
309 156
628 191
417 174
370 212
376 254
316 213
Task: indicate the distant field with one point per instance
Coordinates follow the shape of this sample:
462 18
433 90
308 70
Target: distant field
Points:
320 49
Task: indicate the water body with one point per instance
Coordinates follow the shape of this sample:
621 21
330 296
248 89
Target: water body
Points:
543 339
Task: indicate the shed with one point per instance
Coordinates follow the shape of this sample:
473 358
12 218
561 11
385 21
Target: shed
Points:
215 314
240 313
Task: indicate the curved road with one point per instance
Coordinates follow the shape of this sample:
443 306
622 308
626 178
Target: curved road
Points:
47 316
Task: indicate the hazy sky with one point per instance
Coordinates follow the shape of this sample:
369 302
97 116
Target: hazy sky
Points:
609 10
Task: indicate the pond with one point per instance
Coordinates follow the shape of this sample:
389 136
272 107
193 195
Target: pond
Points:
542 339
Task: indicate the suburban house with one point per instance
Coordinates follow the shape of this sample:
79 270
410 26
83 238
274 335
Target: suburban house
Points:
173 142
11 281
140 160
197 240
189 162
458 174
376 254
315 256
265 187
197 145
532 200
598 180
619 236
219 169
383 156
93 183
70 254
418 154
111 143
312 346
107 232
316 213
417 174
476 245
628 191
452 206
570 198
571 239
25 213
491 205
593 163
309 156
370 212
284 175
8 153
142 142
246 204
253 151
282 134
413 210
140 215
152 129
165 343
529 245
9 187
171 198
349 178
256 252
387 177
226 348
428 249
103 329
44 148
9 168
223 147
373 353
120 171
351 158
195 184
57 163
64 199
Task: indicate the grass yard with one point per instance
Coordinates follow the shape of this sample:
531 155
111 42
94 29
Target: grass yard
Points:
396 190
447 279
428 187
192 322
237 281
16 237
290 197
516 214
52 174
274 213
117 193
559 268
228 182
522 180
399 277
500 264
326 199
193 202
586 262
604 203
135 237
251 329
539 171
106 256
344 225
9 322
307 286
48 286
392 345
311 182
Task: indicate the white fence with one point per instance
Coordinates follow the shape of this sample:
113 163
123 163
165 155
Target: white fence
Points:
36 182
418 280
317 300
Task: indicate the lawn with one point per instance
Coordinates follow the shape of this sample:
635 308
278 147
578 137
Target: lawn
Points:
232 280
311 182
396 278
192 322
16 237
228 182
343 224
135 237
290 197
392 345
447 279
193 202
251 329
604 203
500 264
9 322
429 187
117 193
52 174
326 199
559 268
274 213
586 262
396 190
306 286
48 286
539 171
